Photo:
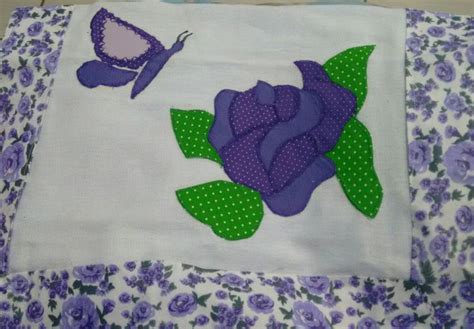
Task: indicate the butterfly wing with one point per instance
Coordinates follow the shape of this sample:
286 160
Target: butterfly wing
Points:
120 43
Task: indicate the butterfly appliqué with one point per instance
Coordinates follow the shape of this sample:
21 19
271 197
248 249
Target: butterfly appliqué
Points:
118 43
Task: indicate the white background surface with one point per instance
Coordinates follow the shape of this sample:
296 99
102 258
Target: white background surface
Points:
103 181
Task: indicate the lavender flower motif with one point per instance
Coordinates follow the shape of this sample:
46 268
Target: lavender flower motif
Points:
26 76
51 61
142 312
367 323
273 139
34 311
35 29
469 320
19 285
182 305
307 315
459 162
470 54
57 284
260 303
315 284
79 312
466 290
455 103
445 71
436 31
419 156
11 161
201 320
89 273
465 219
403 321
24 105
439 246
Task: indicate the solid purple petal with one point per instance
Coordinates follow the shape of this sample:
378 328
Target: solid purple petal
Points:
265 93
308 116
96 73
221 131
242 163
286 102
312 72
246 114
339 105
291 160
294 198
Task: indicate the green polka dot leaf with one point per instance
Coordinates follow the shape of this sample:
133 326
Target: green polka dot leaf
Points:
349 70
191 128
355 168
233 211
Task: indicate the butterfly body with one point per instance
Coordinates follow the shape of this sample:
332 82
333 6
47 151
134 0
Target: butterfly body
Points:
118 43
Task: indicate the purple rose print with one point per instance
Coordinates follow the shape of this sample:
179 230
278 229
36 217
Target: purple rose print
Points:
8 43
459 162
51 61
419 155
465 219
89 273
79 312
11 161
403 321
470 54
273 139
182 305
445 71
201 320
439 246
143 311
466 290
24 105
260 303
35 29
307 315
26 76
233 280
436 31
35 311
469 320
455 103
315 284
19 285
414 44
367 323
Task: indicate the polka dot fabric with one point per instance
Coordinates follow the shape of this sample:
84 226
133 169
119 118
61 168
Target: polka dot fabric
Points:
349 69
191 128
355 170
286 102
233 211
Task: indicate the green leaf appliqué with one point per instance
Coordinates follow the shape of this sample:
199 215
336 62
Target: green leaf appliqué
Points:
233 211
191 128
355 168
349 70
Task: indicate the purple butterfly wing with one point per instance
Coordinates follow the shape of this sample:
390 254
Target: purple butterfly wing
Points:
120 43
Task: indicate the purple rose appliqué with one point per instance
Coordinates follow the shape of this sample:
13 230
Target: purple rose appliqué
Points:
89 273
307 315
79 312
11 161
459 162
182 305
419 155
315 284
260 303
273 139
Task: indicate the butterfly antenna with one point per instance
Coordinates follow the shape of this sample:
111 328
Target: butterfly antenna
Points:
179 39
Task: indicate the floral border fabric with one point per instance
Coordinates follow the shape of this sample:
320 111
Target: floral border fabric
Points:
440 294
29 55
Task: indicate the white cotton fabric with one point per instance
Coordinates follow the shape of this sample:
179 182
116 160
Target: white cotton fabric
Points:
104 175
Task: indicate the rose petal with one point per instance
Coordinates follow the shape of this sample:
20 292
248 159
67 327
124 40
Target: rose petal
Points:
294 198
287 101
312 72
308 116
291 160
242 163
221 131
265 93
